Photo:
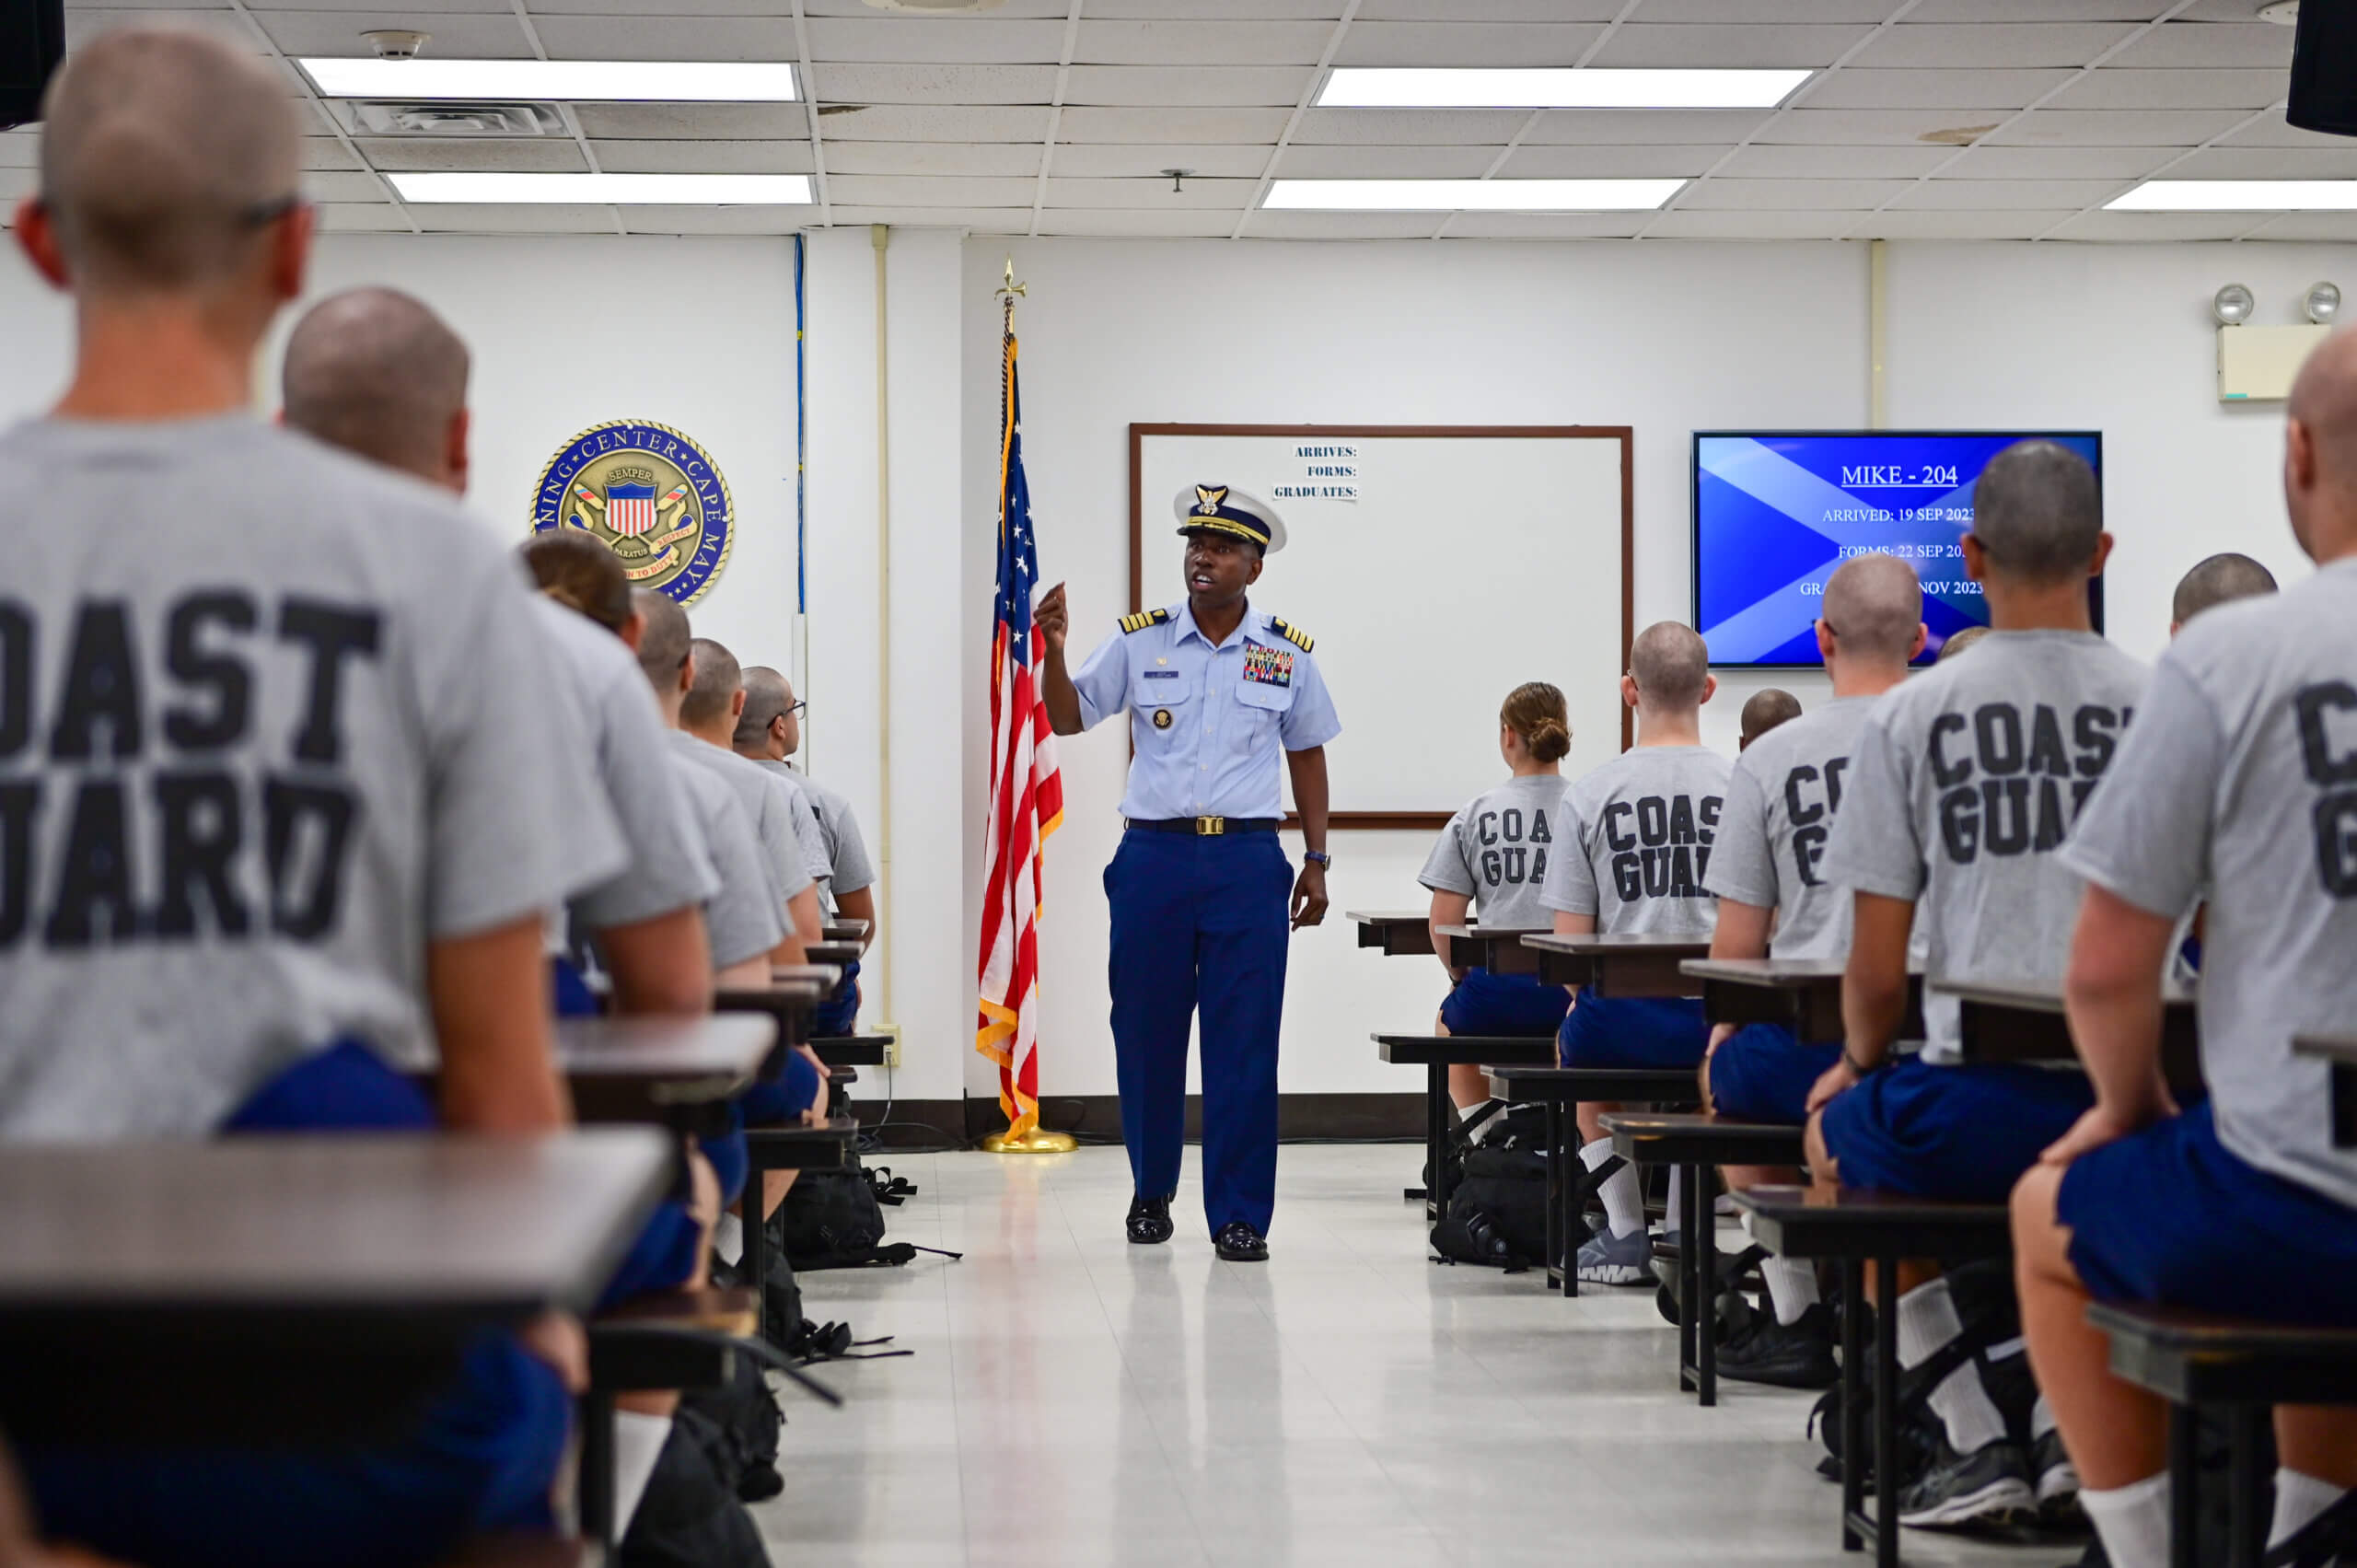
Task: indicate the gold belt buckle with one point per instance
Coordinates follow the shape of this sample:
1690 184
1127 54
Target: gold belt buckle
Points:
1210 827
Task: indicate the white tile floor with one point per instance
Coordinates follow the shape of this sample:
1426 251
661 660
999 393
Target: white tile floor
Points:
1075 1400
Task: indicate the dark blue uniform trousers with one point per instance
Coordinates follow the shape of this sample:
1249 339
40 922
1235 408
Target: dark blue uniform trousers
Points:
1200 926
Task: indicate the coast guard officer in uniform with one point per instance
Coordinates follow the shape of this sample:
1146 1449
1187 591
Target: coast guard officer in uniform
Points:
1216 690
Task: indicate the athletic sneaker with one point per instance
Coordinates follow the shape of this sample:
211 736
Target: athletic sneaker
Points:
1609 1259
2058 1478
1798 1355
1989 1486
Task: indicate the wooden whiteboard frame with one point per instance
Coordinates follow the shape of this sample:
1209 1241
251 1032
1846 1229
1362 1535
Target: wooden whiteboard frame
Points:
1625 435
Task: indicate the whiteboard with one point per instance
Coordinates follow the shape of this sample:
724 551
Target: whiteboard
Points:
1437 568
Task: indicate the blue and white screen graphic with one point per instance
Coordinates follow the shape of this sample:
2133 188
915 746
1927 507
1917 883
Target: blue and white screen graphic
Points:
1776 512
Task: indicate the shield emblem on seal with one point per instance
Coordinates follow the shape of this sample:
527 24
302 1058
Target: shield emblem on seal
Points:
630 508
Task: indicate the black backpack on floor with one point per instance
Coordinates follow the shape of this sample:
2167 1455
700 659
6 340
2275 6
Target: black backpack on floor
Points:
690 1515
1497 1215
746 1415
830 1220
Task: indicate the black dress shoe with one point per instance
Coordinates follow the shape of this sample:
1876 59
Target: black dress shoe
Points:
1149 1221
1239 1243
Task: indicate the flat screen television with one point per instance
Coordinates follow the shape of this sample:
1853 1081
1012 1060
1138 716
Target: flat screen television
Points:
1775 511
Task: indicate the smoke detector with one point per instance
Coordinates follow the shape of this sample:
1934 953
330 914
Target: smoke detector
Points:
935 8
392 43
382 117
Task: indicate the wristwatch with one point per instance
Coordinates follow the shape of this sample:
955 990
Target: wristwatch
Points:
1320 856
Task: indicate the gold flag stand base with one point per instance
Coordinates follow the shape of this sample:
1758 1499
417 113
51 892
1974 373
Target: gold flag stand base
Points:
1036 1142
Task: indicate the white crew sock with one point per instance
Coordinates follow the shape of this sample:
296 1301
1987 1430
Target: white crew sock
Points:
729 1239
1792 1287
638 1443
1624 1204
2298 1500
2133 1521
1927 1321
2041 1418
1465 1112
1673 1218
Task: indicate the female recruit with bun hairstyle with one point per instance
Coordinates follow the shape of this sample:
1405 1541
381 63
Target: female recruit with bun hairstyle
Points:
1493 857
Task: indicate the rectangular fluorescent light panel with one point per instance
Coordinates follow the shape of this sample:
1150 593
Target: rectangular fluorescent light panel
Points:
574 81
1470 195
619 189
1586 87
2238 196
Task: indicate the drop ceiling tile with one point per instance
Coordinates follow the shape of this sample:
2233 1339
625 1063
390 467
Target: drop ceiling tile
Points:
1004 159
362 218
1663 127
1487 11
657 37
1342 225
953 41
694 122
1796 162
82 26
1921 224
2274 130
718 220
1545 225
2058 163
16 183
2115 127
2026 195
2038 10
439 7
982 220
532 154
338 33
2311 226
1609 162
1853 88
1133 127
2148 226
1464 43
1215 10
21 149
2270 163
1876 127
2112 88
2011 44
1092 161
2180 45
1196 86
1106 43
1032 10
1185 223
1764 195
1684 224
933 122
914 191
2218 11
1781 44
318 151
1299 162
457 217
1151 195
337 185
1749 10
1408 127
945 85
673 157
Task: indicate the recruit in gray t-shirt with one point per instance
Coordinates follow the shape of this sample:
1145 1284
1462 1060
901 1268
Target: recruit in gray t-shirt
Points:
768 807
1496 850
1780 804
2240 776
1961 788
848 869
667 866
802 812
743 918
1638 848
272 719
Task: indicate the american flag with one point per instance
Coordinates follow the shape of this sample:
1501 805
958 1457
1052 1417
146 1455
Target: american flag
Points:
630 508
1027 792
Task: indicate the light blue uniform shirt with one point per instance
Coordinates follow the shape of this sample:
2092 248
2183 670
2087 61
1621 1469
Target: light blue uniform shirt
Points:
1231 709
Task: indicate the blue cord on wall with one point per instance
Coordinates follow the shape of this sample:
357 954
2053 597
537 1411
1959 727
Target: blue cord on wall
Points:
801 451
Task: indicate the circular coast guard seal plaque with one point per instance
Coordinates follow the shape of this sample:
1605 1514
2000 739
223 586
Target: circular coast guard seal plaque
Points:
653 496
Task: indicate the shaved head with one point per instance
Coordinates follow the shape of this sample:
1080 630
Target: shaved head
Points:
1875 604
717 682
2320 449
164 156
2213 582
768 696
1766 708
1960 641
375 372
663 647
1670 665
2037 513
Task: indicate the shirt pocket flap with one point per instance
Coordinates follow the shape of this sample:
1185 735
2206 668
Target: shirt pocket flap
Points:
1264 695
1154 688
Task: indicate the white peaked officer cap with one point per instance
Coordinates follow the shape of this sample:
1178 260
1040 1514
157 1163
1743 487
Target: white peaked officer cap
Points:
1220 509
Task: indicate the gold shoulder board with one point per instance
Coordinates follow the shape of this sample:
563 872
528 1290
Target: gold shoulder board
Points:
1143 619
1293 634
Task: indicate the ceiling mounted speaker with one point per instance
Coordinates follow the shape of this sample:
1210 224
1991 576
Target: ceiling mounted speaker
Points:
2324 70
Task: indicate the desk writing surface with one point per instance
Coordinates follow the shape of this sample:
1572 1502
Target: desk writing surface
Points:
837 953
1396 932
844 930
2032 999
1613 943
2331 1047
826 977
1778 974
714 1045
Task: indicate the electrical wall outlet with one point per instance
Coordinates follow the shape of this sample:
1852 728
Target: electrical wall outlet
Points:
892 1049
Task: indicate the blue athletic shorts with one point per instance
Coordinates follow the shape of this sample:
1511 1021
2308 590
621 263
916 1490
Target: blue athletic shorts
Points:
482 1460
726 1153
1964 1134
2172 1217
1633 1031
773 1102
1486 1004
839 1014
569 994
1762 1074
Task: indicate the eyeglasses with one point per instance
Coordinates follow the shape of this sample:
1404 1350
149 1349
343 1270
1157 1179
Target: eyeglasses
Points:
791 712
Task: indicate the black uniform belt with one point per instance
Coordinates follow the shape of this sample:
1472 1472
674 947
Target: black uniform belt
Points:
1208 827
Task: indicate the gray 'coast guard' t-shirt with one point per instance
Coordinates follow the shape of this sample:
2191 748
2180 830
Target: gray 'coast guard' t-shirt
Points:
768 807
2240 780
1962 786
1497 849
1638 847
744 917
270 720
1780 804
848 868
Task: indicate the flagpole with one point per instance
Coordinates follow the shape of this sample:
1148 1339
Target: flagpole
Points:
1024 1136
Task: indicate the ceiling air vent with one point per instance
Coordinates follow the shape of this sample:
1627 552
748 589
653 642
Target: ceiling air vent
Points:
378 116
